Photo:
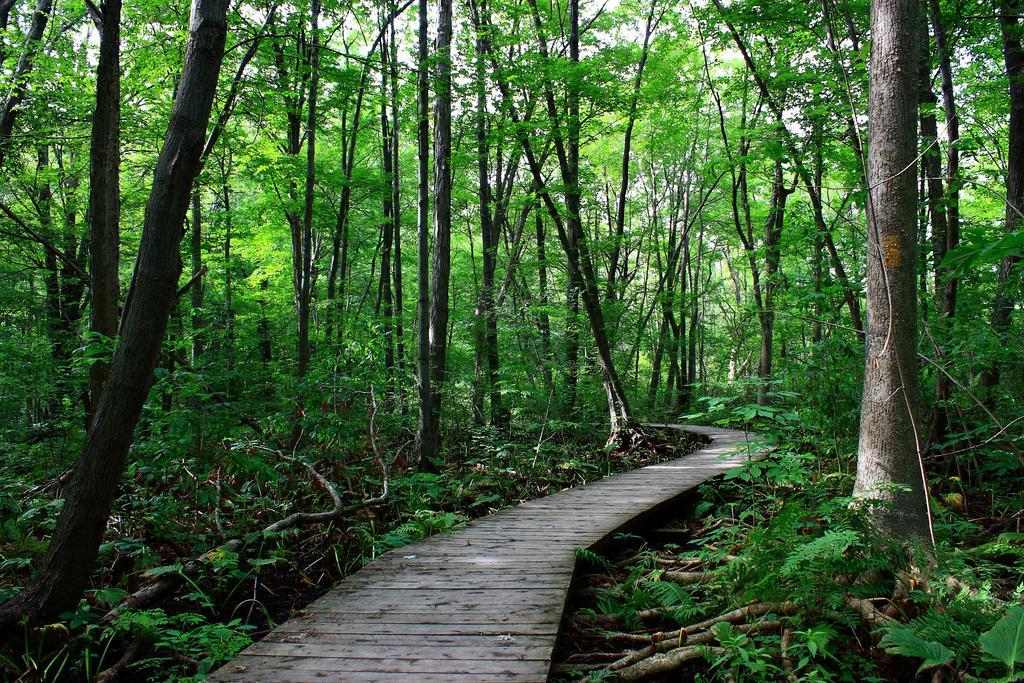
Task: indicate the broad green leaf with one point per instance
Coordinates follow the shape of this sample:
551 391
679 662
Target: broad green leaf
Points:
903 641
1005 641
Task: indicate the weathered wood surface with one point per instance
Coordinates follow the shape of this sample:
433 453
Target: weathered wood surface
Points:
483 604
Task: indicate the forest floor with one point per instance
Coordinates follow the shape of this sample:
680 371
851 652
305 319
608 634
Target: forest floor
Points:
294 587
238 597
773 575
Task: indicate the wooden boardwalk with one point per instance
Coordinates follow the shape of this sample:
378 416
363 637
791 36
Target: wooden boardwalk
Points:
483 604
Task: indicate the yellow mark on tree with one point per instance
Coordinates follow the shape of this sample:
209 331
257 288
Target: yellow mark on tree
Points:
891 251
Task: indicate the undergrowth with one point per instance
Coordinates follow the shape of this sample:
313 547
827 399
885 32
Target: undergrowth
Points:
777 574
177 507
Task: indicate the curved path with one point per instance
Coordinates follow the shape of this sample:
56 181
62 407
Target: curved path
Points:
483 604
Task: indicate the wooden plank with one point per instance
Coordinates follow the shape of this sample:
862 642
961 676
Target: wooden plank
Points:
427 648
456 640
374 664
417 629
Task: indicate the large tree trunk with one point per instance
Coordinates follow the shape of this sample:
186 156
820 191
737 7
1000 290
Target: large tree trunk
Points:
1013 55
65 569
427 435
441 253
104 214
889 452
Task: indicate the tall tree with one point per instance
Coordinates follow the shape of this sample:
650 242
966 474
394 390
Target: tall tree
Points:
11 106
104 214
889 464
1013 57
65 568
305 245
427 433
441 249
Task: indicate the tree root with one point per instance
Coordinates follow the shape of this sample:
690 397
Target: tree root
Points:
871 614
138 647
739 615
699 638
687 578
665 662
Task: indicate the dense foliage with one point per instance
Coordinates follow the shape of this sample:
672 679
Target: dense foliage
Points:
657 210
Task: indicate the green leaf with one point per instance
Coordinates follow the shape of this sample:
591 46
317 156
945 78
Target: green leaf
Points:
962 257
160 571
903 641
1005 641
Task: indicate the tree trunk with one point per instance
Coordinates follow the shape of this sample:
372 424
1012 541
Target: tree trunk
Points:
889 453
488 340
386 296
620 206
196 291
441 252
396 208
1013 55
543 320
427 435
19 81
229 307
104 214
305 275
65 569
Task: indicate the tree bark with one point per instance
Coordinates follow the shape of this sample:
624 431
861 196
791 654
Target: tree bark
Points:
305 288
889 452
441 251
65 569
426 435
104 213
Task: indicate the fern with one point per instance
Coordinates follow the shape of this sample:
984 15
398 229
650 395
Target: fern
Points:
903 641
590 557
942 628
668 594
823 550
